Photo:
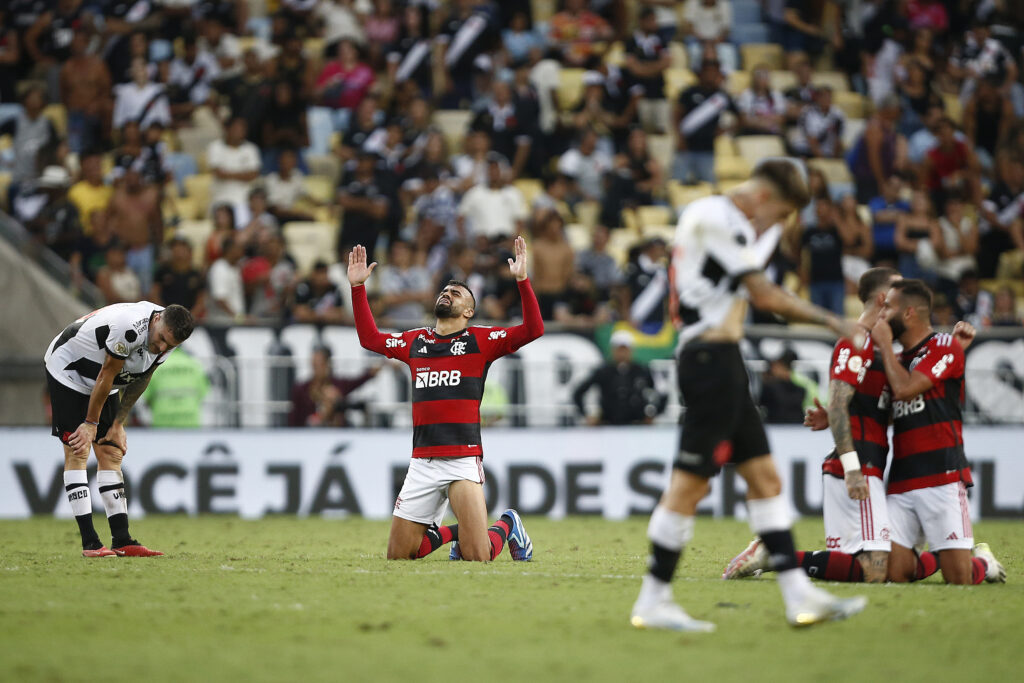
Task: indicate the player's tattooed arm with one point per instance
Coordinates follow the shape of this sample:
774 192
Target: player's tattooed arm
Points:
130 394
839 395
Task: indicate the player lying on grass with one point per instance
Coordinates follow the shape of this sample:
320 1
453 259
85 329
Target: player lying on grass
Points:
861 532
448 364
722 245
115 349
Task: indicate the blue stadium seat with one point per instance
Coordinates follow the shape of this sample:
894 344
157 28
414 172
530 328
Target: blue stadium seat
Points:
746 12
320 123
749 33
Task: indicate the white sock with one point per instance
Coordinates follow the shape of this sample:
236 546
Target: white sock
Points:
76 483
111 485
671 531
794 585
772 515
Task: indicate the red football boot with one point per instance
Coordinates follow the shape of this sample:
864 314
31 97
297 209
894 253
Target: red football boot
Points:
136 550
102 551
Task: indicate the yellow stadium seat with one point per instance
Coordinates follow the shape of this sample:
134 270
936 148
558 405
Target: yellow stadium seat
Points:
836 80
753 148
620 242
676 81
186 208
677 51
665 232
680 195
313 48
616 54
588 213
954 108
543 10
726 184
1011 266
782 80
58 115
453 124
309 242
653 215
725 145
853 104
662 149
629 220
570 88
5 142
579 236
319 187
835 170
530 188
196 232
327 165
752 54
737 82
197 187
5 182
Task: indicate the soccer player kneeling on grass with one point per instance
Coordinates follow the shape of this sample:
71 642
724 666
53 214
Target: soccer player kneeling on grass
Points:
95 371
722 245
448 363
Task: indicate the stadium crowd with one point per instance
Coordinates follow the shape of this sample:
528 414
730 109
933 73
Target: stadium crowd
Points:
226 154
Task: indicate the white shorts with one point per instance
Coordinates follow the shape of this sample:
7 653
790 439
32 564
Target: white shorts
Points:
424 495
855 525
938 515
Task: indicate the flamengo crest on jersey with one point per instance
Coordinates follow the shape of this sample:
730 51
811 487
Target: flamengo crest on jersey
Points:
715 246
75 356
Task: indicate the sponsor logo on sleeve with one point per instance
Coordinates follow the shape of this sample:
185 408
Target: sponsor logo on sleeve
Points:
497 334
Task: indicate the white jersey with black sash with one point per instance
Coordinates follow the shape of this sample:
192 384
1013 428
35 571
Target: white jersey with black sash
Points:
715 246
75 356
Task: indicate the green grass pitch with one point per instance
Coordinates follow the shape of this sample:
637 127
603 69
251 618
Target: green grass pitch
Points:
287 599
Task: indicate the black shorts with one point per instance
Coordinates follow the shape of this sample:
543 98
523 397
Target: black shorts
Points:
721 423
70 407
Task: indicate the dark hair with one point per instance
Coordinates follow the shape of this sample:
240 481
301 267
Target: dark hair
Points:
460 283
787 178
179 321
916 292
873 280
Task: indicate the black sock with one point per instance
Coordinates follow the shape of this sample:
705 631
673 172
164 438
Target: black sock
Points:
781 549
90 539
119 530
662 562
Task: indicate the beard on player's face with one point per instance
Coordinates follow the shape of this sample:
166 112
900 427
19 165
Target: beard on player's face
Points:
897 326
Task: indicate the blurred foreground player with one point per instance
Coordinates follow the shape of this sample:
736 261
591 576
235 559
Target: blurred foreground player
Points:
448 363
722 245
96 369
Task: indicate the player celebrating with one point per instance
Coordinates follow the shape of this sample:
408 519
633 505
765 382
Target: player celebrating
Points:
114 349
721 246
448 363
929 475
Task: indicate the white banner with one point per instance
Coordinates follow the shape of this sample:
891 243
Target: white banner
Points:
614 472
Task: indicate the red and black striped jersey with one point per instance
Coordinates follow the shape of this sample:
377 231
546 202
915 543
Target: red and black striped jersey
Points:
869 408
447 372
927 442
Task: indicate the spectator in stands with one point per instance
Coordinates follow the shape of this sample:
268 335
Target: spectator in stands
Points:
955 242
926 137
10 57
175 395
982 56
586 164
817 186
462 266
49 215
90 194
519 39
1004 308
318 301
261 221
31 131
575 30
340 21
821 127
823 259
879 152
226 300
470 168
914 231
1002 217
916 96
177 281
191 79
598 264
85 88
802 94
364 206
508 125
406 288
323 400
470 31
647 57
803 30
601 113
272 279
627 391
141 100
235 164
951 167
285 124
48 39
647 280
552 262
582 307
886 211
249 93
117 282
90 253
436 210
138 151
972 303
697 120
382 29
858 242
762 109
785 393
493 209
345 79
634 179
409 58
706 27
987 118
286 187
134 216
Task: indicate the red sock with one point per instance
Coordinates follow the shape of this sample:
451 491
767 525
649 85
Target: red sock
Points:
927 564
498 533
978 569
830 565
434 538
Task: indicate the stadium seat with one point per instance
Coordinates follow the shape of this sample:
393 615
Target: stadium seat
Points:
309 242
588 213
835 170
737 82
677 51
1011 266
197 187
836 80
5 182
677 80
680 195
319 187
732 168
616 54
853 104
662 149
754 52
852 131
530 188
653 215
619 243
326 165
570 88
753 148
782 80
665 232
453 124
727 184
725 145
954 107
543 10
864 213
629 221
196 232
58 116
579 236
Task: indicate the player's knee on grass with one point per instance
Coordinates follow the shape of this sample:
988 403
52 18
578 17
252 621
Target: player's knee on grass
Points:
955 565
475 552
875 565
902 564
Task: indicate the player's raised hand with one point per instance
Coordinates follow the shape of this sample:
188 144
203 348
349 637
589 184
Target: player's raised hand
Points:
964 333
358 271
816 418
518 267
881 333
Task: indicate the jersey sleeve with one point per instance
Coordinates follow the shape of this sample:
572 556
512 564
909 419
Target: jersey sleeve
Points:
725 247
496 342
847 363
944 359
394 345
119 338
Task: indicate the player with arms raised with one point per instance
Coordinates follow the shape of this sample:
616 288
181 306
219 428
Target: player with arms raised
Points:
722 245
96 369
448 364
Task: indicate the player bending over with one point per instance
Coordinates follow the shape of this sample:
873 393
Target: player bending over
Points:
721 247
115 349
448 364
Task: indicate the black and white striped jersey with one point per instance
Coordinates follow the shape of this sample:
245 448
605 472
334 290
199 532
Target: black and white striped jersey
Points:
75 356
715 246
